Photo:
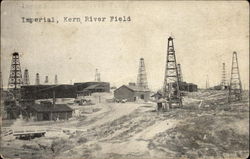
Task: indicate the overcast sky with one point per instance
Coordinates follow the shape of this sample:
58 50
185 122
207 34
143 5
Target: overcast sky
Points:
205 35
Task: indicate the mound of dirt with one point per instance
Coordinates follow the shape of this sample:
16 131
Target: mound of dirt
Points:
203 137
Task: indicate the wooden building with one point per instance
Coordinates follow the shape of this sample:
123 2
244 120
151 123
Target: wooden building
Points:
220 87
48 111
192 87
87 88
46 91
132 93
188 87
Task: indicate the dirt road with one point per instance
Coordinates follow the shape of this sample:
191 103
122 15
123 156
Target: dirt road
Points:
206 127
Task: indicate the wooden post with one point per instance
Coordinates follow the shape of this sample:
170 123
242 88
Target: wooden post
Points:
54 98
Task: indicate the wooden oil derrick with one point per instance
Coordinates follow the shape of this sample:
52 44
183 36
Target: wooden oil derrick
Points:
46 80
171 90
142 76
56 80
180 72
26 79
235 87
97 76
223 77
207 82
37 82
15 78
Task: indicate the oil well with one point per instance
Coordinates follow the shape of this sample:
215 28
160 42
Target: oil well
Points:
235 86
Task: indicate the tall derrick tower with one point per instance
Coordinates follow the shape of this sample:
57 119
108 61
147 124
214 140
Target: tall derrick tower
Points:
46 80
97 76
180 72
15 78
223 77
142 75
26 80
207 82
56 81
235 87
171 90
37 82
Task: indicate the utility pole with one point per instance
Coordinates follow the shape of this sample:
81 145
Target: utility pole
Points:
171 80
235 87
142 75
54 98
1 81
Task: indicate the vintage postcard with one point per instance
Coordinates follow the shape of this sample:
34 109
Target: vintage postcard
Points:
124 79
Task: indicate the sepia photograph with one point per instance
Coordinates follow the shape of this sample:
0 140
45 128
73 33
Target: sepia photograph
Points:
124 79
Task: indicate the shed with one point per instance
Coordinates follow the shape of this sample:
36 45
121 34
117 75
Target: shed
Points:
189 87
86 88
48 111
132 93
192 87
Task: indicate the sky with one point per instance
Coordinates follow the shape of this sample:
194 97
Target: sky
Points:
205 35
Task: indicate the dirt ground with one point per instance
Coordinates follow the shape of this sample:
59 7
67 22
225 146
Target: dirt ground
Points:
206 127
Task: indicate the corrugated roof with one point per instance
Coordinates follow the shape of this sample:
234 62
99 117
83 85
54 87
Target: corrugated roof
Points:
51 108
137 89
94 86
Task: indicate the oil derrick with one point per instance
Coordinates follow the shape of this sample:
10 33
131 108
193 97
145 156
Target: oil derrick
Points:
37 82
26 80
207 82
235 87
142 76
171 89
179 72
46 80
223 77
56 81
15 78
97 76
